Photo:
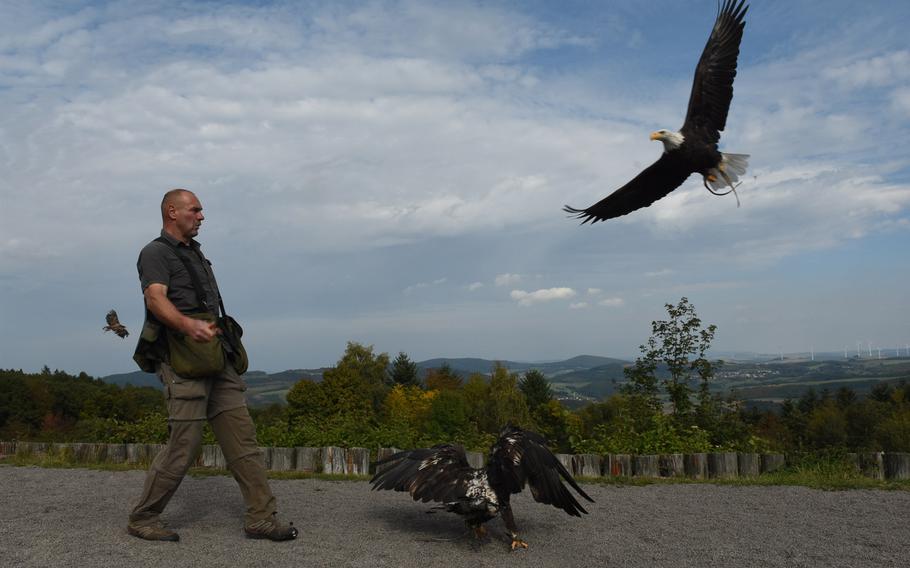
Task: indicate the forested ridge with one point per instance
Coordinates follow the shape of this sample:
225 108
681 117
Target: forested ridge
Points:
665 404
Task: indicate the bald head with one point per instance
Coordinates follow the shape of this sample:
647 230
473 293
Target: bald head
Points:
181 214
172 199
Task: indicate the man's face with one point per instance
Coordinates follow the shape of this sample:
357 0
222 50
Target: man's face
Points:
188 215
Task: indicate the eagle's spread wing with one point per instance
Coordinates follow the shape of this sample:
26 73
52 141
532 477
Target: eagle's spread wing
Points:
113 324
438 474
520 457
654 182
712 89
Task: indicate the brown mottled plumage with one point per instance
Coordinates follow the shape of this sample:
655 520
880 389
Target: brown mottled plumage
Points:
519 458
113 324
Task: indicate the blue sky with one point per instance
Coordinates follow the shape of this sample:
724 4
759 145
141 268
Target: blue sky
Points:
393 173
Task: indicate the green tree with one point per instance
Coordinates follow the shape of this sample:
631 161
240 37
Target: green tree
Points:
442 378
678 346
449 416
404 371
306 398
827 426
358 383
506 403
536 388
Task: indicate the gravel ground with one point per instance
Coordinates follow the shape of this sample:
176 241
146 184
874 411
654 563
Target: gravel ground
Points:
77 517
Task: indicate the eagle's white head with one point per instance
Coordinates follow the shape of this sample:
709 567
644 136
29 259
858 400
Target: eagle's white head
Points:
672 140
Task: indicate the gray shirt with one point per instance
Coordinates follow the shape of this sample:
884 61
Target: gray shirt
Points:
158 264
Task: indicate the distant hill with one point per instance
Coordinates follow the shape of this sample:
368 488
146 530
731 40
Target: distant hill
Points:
586 378
136 378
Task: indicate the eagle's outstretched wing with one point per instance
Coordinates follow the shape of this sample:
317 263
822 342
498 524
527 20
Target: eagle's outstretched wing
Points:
113 324
438 474
520 457
654 182
712 87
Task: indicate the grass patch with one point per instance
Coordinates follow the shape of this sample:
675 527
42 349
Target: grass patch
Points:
830 474
52 461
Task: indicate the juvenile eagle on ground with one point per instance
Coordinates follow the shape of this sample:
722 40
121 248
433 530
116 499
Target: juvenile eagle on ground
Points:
113 324
693 149
442 474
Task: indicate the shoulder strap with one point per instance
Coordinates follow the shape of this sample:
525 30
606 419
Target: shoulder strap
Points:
194 276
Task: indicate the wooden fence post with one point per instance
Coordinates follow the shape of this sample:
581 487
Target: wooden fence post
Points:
696 465
308 459
749 465
333 460
565 460
618 465
35 448
7 449
116 453
475 459
897 465
89 453
645 466
281 459
772 462
358 461
266 455
381 454
722 465
586 465
671 465
871 464
213 457
135 453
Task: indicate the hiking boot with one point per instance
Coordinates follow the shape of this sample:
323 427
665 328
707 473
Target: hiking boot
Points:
153 531
271 528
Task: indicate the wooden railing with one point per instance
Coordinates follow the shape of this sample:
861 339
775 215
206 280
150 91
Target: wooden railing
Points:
357 461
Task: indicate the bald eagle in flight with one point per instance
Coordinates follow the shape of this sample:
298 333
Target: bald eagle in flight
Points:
693 149
442 474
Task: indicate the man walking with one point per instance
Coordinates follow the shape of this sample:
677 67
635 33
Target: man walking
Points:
182 299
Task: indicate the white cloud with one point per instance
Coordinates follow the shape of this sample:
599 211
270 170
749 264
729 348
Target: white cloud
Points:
372 145
543 295
475 286
659 273
900 100
877 71
612 302
507 279
422 285
578 305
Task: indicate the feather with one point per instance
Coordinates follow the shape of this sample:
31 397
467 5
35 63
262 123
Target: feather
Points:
654 182
521 457
712 86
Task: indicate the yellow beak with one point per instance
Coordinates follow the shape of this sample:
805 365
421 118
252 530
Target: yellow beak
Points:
655 136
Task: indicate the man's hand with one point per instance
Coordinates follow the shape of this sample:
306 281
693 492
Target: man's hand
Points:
200 330
157 302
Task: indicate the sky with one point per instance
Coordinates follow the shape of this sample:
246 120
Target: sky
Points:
393 173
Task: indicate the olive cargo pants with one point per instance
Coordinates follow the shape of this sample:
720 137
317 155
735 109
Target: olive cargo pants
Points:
220 400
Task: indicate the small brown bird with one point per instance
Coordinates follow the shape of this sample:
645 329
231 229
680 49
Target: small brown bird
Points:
113 324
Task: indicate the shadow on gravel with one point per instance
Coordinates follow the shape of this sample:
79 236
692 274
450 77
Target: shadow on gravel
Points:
423 523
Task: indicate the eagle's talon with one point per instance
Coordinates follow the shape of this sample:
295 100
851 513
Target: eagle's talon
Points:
518 543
